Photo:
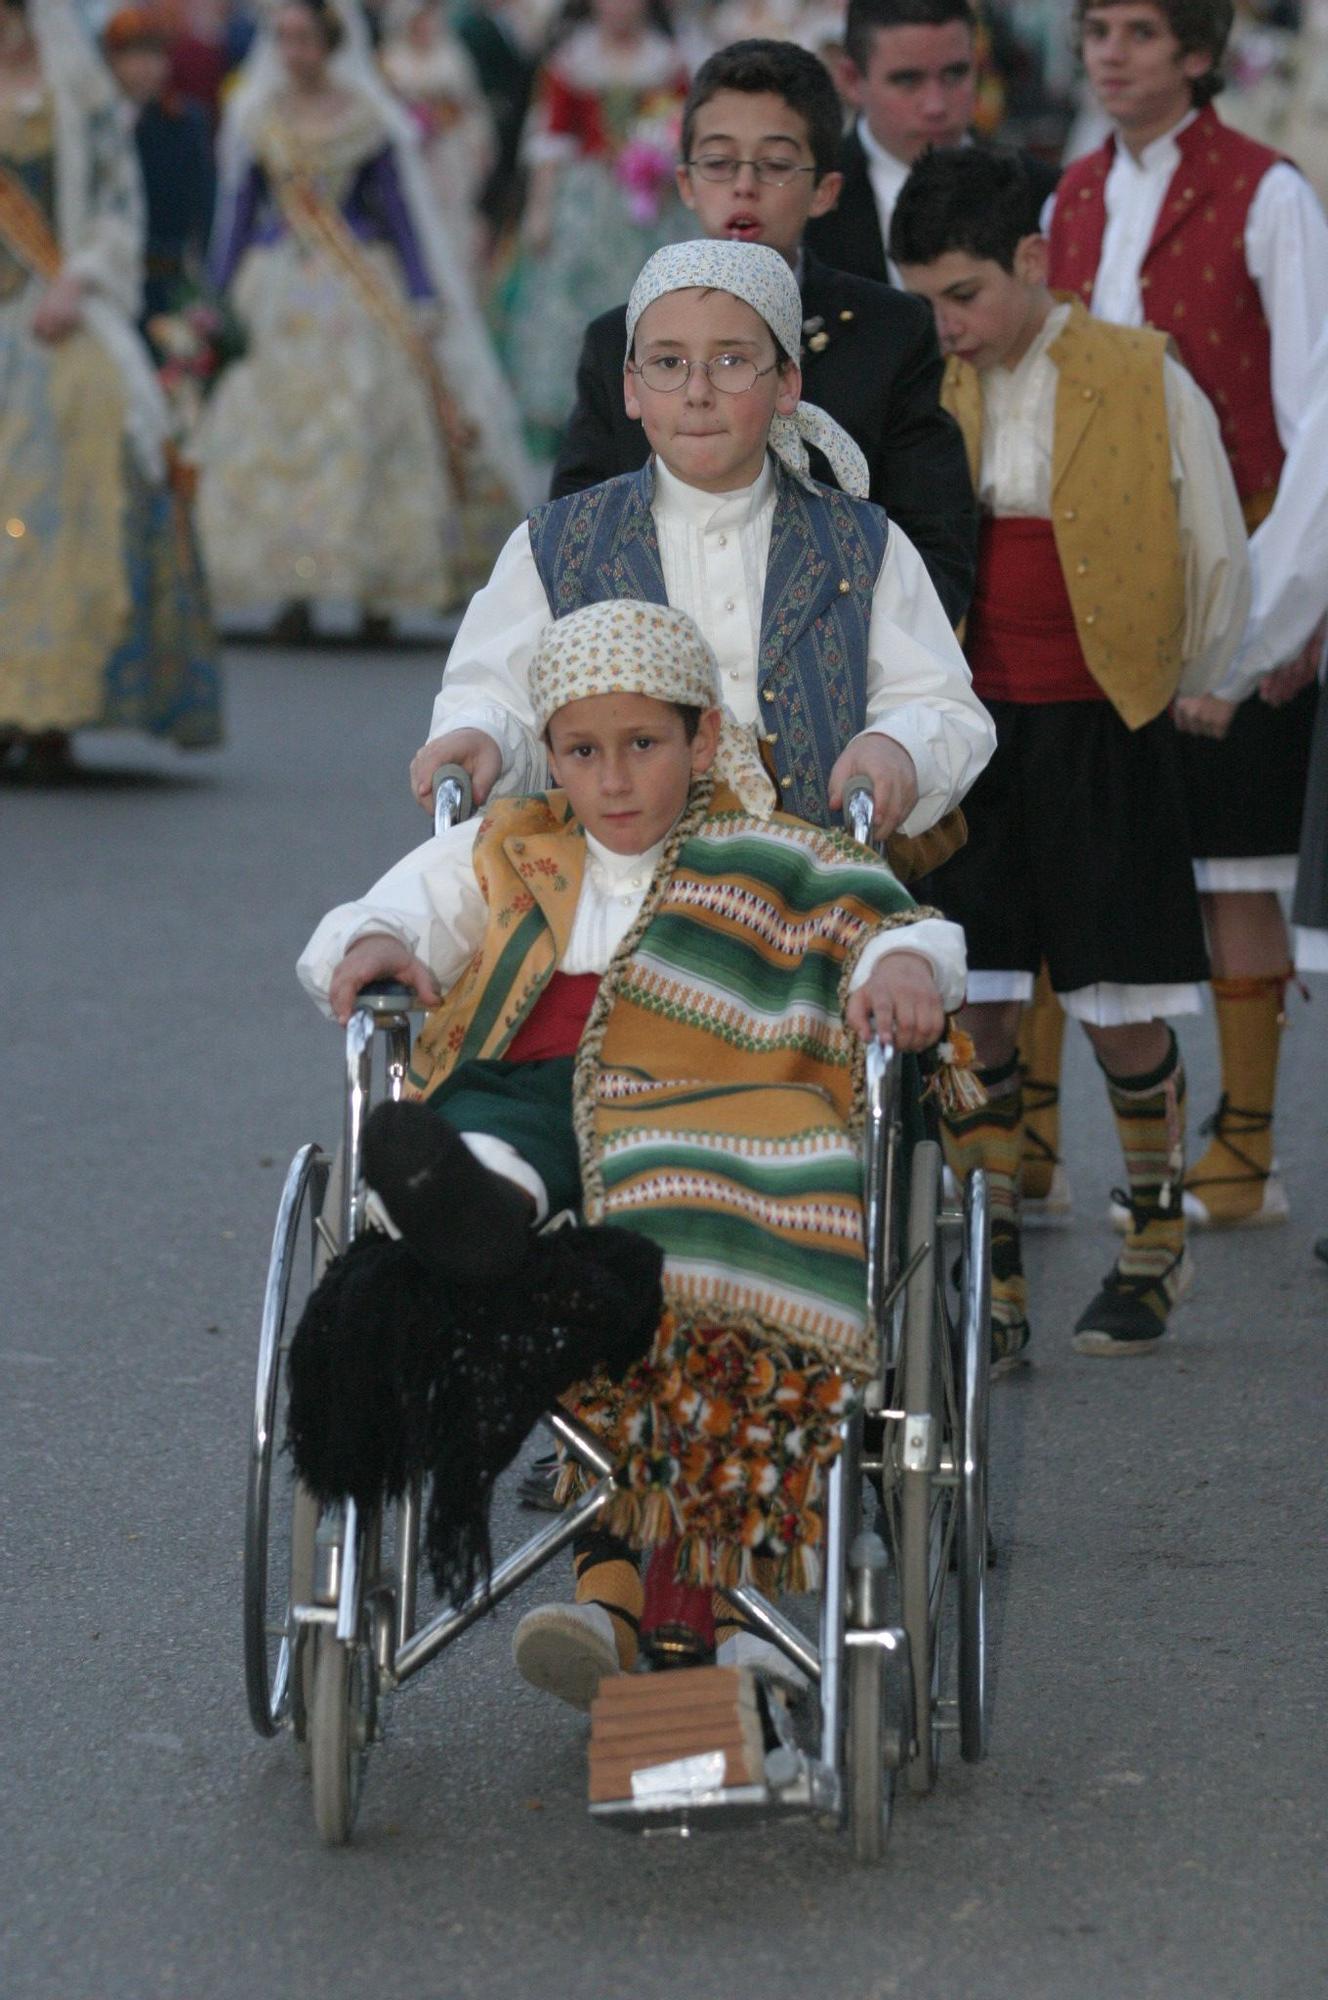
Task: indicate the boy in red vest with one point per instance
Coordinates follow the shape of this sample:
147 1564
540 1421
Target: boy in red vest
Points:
1111 574
1186 225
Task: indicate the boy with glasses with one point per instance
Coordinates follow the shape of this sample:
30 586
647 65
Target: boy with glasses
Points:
760 137
832 643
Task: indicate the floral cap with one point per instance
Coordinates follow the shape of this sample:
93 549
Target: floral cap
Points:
764 280
621 646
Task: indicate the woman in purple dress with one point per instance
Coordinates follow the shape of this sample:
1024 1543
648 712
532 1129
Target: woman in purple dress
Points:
362 449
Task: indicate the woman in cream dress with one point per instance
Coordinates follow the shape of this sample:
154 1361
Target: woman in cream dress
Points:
103 618
363 449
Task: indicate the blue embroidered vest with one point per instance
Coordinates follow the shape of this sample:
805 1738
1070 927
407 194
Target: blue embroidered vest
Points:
826 551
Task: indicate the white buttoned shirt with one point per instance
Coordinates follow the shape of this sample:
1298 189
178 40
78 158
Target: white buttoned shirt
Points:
714 551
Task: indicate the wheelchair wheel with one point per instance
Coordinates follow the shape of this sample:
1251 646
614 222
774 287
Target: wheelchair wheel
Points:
926 1489
280 1517
972 1371
871 1752
342 1719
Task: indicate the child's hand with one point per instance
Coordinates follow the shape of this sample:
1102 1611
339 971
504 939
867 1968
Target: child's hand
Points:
476 753
378 956
1203 715
899 1002
894 781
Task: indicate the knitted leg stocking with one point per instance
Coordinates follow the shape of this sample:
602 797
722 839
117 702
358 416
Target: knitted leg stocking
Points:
992 1137
1232 1185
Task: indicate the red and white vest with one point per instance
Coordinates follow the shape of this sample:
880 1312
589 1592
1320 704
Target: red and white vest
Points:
1195 282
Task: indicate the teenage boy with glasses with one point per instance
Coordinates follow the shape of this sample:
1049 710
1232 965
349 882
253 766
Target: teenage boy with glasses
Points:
760 136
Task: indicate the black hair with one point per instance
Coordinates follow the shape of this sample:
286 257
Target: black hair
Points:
977 199
783 70
688 710
329 24
1202 27
865 17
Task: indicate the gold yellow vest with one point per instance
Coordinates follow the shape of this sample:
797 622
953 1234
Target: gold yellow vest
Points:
529 858
1113 507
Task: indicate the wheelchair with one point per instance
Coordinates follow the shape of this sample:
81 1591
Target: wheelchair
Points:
332 1622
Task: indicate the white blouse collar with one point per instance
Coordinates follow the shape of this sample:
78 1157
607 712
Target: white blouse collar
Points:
621 874
697 509
1051 328
1158 153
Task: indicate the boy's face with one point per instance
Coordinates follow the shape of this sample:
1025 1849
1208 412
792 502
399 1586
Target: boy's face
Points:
708 437
985 314
756 125
626 765
141 72
1136 68
919 88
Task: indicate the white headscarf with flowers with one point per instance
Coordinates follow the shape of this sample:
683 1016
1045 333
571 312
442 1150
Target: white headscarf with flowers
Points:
763 279
622 646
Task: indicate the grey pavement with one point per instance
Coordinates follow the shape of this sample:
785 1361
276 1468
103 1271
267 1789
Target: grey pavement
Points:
1151 1821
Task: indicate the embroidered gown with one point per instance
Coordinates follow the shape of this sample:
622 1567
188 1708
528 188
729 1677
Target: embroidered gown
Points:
103 613
321 466
610 128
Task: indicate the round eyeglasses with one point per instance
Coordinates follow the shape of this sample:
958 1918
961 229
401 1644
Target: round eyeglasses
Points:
731 374
724 167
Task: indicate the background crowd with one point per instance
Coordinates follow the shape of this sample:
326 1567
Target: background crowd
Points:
293 304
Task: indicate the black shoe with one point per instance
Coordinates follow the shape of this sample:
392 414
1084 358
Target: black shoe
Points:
537 1486
461 1219
1321 1249
1129 1315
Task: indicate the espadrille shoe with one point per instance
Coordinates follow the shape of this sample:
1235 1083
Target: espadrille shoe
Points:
1130 1315
566 1650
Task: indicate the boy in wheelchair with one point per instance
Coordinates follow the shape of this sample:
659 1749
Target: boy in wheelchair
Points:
649 993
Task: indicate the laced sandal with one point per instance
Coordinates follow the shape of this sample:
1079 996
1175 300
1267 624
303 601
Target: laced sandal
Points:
1227 1124
1045 1201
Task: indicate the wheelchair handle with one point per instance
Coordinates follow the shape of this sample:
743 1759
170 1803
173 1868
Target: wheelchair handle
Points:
388 998
859 808
453 796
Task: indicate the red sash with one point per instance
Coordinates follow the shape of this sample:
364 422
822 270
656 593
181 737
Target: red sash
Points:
554 1024
1021 640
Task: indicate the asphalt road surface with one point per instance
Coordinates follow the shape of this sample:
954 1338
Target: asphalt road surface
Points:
1151 1820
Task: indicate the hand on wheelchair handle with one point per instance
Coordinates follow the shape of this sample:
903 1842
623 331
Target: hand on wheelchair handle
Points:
900 1003
888 769
378 956
472 749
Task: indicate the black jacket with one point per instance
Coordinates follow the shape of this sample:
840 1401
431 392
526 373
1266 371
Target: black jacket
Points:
850 235
878 373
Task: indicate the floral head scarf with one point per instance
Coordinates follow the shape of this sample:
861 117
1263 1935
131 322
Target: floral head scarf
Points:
621 646
762 278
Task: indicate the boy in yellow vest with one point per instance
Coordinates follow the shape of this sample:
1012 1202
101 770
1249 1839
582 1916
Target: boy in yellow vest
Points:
605 965
1112 575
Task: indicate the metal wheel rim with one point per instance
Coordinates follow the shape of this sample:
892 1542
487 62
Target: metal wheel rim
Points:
926 1517
268 1687
975 1363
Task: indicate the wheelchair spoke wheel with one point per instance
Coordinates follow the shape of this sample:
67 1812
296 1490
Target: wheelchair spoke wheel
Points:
926 1513
280 1517
973 1362
341 1728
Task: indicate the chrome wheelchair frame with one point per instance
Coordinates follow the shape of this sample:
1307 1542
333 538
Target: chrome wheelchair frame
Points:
331 1601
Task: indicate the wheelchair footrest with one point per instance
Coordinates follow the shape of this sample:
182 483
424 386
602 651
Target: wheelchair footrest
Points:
670 1749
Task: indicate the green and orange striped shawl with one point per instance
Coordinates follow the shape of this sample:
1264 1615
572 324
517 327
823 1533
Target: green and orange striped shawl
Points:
717 1088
